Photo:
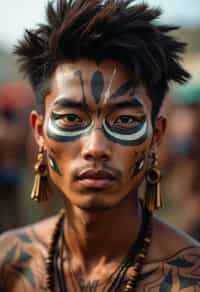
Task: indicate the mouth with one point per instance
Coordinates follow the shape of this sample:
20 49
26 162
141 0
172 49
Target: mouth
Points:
96 178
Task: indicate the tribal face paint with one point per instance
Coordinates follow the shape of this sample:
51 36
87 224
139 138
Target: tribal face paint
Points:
107 93
97 86
124 126
63 134
84 130
129 137
139 164
53 164
71 123
76 127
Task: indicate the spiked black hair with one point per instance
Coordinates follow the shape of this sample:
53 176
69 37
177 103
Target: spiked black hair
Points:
98 30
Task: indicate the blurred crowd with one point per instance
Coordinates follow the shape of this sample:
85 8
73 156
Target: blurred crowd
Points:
17 157
179 159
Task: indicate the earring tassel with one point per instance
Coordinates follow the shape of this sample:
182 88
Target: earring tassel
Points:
153 197
39 191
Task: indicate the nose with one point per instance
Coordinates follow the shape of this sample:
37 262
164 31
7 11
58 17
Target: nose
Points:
96 146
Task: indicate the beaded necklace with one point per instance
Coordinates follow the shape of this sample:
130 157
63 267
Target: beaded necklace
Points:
131 264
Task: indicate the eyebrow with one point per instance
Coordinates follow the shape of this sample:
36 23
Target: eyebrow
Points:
134 103
66 103
70 103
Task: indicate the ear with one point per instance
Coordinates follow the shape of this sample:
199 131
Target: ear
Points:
36 121
159 129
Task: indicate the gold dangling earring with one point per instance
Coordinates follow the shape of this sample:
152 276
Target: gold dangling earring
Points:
153 198
39 191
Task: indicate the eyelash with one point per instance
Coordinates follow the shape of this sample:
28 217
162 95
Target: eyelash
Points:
127 117
115 122
61 116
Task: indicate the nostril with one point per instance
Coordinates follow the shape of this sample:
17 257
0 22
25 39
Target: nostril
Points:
96 147
91 156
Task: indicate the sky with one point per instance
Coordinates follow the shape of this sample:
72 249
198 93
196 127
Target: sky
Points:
16 15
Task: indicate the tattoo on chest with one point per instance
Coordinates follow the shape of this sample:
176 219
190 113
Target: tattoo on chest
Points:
174 274
17 264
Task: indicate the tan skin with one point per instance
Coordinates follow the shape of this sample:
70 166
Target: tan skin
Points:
103 217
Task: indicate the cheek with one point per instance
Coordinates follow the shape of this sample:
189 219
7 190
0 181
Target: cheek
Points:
134 159
61 157
59 152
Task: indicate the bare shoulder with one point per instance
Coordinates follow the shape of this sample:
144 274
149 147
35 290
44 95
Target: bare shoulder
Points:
22 257
167 240
173 263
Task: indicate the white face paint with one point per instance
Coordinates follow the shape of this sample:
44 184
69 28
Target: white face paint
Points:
141 165
51 162
108 91
128 137
61 134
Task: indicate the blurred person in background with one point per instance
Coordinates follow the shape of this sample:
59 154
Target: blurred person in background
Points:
180 159
16 100
100 71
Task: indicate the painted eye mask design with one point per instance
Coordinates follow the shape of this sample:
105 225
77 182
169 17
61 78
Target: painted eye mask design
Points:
60 131
66 134
130 137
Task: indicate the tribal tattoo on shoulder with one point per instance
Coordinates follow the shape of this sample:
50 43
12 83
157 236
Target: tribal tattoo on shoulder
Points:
178 273
23 266
125 136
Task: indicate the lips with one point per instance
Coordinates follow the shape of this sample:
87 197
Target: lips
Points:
96 178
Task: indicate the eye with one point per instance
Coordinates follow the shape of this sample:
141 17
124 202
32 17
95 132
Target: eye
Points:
68 120
71 118
126 121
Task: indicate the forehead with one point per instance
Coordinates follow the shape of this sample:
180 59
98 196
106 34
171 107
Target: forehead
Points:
87 78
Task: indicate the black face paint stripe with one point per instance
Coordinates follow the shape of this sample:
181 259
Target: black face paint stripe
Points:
70 130
139 165
97 85
79 75
125 142
133 103
127 139
126 131
55 117
63 135
123 89
59 138
54 165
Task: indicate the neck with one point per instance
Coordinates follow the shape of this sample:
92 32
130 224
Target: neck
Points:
100 236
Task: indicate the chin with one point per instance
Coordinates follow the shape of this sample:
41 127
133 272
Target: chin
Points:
97 202
91 208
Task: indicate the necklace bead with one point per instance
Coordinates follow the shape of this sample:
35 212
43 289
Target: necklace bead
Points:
131 265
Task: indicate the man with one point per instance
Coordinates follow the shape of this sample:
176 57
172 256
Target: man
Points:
100 71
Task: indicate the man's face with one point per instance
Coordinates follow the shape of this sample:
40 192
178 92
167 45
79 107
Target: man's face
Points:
97 133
